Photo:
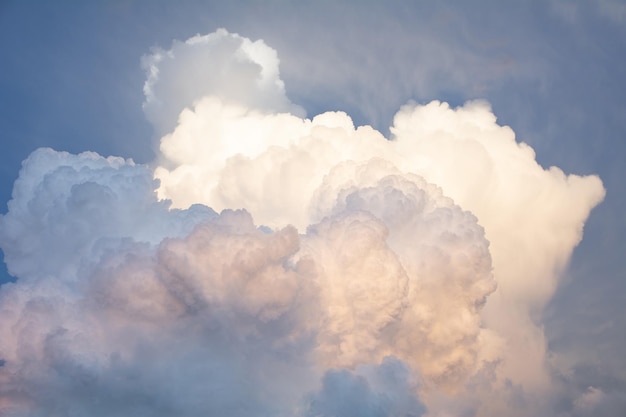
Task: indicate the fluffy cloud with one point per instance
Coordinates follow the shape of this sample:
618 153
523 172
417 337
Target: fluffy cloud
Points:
346 274
377 391
111 310
227 65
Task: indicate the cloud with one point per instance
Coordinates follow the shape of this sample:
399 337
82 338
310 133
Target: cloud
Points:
589 399
136 326
346 273
228 65
376 391
120 293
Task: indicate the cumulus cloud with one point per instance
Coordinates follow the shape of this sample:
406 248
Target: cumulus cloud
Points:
346 273
224 64
385 390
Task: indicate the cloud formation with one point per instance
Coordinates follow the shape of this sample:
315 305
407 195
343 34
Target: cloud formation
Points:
227 65
345 274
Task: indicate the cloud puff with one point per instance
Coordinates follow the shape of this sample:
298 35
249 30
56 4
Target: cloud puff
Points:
109 317
378 391
345 274
224 64
118 292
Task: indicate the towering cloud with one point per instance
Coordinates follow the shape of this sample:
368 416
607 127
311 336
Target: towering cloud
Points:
346 274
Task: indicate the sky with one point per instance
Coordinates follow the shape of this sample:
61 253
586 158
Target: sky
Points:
327 208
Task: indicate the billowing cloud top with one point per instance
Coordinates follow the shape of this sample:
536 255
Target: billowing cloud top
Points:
345 274
230 66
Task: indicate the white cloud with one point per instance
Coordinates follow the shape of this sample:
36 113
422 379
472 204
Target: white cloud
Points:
238 70
372 248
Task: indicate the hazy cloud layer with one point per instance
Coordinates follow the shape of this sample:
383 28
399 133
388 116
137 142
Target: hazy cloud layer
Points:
347 273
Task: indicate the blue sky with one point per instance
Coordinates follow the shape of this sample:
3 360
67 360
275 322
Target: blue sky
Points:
554 71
